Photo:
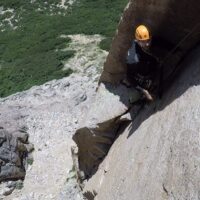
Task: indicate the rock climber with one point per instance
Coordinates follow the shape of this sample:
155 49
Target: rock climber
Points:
142 66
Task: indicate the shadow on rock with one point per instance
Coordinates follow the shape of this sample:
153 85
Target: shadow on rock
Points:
187 77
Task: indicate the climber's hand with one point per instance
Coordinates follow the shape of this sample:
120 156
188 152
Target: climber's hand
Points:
146 94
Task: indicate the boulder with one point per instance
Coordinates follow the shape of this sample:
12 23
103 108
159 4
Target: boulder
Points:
101 126
14 149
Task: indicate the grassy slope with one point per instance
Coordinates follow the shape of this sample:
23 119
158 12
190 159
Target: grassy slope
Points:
28 56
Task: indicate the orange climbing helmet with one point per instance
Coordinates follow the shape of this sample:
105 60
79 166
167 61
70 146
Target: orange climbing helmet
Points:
142 33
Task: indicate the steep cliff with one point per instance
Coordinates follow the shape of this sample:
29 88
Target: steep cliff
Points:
157 156
178 36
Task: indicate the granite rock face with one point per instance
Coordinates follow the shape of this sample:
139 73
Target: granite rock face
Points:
157 156
14 150
51 112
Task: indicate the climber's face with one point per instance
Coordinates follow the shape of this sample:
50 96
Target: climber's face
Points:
145 44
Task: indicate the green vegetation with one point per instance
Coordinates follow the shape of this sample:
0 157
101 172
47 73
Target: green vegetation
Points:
71 175
19 185
32 54
30 161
